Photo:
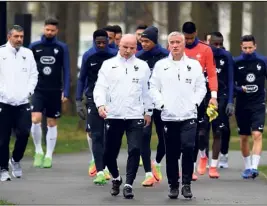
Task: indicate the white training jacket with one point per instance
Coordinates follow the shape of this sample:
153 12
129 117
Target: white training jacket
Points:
122 86
18 75
179 86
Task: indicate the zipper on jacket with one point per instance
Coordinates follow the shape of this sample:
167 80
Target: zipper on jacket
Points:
126 71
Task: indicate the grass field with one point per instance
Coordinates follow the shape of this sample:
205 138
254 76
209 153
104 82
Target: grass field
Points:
3 202
72 139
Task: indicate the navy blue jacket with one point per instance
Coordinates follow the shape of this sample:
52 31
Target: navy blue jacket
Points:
225 73
250 71
52 57
152 56
91 63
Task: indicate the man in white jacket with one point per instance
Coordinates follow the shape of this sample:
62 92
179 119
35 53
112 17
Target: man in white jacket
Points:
18 78
121 95
177 87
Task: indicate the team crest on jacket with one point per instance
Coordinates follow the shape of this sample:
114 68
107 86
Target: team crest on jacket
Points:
136 68
55 50
188 68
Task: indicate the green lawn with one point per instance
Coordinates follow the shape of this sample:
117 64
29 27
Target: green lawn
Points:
263 169
72 139
3 202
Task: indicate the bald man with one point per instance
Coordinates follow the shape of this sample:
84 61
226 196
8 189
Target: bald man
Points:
122 98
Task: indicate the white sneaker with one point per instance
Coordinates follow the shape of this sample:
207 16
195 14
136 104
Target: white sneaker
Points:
16 168
223 162
4 176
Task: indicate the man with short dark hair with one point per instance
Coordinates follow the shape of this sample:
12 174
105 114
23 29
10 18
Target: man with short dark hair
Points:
250 74
18 79
52 57
197 49
151 53
91 64
220 125
111 36
118 34
138 32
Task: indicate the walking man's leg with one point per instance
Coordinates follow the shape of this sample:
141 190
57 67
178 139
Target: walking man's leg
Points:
6 119
134 131
156 166
97 134
36 129
223 162
114 132
172 142
22 128
146 156
188 131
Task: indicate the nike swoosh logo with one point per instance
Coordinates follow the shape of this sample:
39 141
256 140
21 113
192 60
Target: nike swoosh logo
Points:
93 64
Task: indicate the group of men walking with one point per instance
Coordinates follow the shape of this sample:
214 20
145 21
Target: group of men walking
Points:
129 82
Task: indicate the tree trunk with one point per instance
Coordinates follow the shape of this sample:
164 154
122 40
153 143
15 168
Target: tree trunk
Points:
72 39
236 27
205 16
259 25
173 15
102 14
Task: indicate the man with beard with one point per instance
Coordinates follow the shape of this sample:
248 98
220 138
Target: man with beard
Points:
91 64
18 79
52 57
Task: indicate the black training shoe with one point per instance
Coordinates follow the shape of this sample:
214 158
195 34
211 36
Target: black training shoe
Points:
186 191
174 192
115 190
128 192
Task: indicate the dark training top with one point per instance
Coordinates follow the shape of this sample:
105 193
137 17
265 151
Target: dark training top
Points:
250 71
225 73
91 63
52 59
151 57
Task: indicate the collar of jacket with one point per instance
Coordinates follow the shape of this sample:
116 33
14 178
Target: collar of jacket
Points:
154 51
182 59
48 40
125 60
191 46
11 48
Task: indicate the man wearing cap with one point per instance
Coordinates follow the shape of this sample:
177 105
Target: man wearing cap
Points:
151 53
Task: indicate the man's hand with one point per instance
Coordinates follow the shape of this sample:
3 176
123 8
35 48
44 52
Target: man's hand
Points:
80 110
230 109
147 119
244 88
63 99
102 111
214 102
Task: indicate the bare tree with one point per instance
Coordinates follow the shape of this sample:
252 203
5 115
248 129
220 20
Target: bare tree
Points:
173 15
72 38
236 27
259 25
205 15
102 14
